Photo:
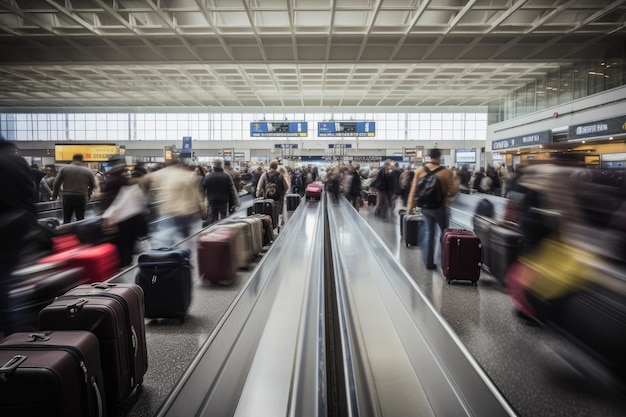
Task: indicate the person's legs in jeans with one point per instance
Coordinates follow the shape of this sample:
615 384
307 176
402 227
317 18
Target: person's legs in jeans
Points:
80 206
70 204
428 238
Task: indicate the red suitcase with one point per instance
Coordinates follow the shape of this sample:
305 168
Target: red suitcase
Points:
313 191
217 259
32 289
101 262
462 255
52 374
115 314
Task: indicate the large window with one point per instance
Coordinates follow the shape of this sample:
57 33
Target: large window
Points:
118 127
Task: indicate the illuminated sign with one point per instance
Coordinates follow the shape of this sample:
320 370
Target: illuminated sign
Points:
607 127
465 155
91 153
532 139
367 129
281 128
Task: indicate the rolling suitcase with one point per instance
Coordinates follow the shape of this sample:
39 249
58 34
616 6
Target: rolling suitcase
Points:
99 261
88 230
165 277
217 257
251 238
114 313
293 201
52 374
268 233
32 289
372 199
506 244
462 255
412 229
267 206
313 191
483 228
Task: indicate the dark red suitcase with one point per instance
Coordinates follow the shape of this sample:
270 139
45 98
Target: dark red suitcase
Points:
462 255
115 314
268 233
52 374
101 262
217 259
32 289
313 191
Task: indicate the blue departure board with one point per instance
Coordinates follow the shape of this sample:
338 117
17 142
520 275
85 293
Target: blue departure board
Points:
367 129
280 128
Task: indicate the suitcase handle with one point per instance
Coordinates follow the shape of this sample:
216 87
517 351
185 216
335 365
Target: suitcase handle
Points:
102 285
33 337
8 368
96 389
75 308
134 340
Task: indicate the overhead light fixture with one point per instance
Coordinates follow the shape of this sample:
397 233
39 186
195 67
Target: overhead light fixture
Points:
584 141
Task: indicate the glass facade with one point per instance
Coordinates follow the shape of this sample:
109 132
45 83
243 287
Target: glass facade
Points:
117 127
569 82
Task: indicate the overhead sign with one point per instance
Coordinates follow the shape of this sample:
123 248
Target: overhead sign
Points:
91 153
339 146
607 127
532 139
285 146
367 129
187 148
281 128
465 155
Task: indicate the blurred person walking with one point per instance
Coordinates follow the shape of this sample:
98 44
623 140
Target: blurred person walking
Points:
220 192
47 184
78 184
436 215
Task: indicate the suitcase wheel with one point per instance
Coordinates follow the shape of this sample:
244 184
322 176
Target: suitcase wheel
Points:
449 281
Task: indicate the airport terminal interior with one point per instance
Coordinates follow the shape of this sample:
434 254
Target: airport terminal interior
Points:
333 312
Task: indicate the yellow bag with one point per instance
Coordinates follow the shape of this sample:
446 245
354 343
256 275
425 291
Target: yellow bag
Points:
560 269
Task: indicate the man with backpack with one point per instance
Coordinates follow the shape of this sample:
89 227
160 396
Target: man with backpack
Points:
431 187
273 184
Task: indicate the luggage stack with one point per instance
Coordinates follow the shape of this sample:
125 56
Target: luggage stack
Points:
462 255
114 313
165 278
251 230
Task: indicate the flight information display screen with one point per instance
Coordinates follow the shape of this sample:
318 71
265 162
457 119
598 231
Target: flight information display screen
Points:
367 129
280 128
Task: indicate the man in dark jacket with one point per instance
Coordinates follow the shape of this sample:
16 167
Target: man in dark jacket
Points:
220 191
78 184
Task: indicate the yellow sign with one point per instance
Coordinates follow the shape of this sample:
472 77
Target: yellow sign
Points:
91 153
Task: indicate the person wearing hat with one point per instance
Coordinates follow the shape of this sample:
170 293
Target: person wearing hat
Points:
439 216
220 192
78 183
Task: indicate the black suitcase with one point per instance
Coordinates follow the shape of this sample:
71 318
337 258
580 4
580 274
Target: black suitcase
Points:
90 230
52 374
165 277
114 313
505 246
267 206
33 288
293 201
412 229
483 227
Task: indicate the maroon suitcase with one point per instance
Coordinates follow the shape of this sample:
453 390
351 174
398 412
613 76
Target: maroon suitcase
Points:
462 255
52 374
313 191
217 259
268 233
115 314
32 289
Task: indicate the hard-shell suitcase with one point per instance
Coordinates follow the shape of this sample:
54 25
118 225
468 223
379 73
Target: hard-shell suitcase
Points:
268 233
313 191
165 277
372 199
51 374
462 255
412 229
114 313
100 261
217 257
251 237
32 289
241 242
88 230
483 227
293 201
267 206
506 244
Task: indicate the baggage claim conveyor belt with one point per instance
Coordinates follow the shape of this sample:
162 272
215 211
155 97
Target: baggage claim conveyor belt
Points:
330 324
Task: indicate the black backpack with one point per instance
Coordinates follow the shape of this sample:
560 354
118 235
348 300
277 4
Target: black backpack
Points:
272 189
429 190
